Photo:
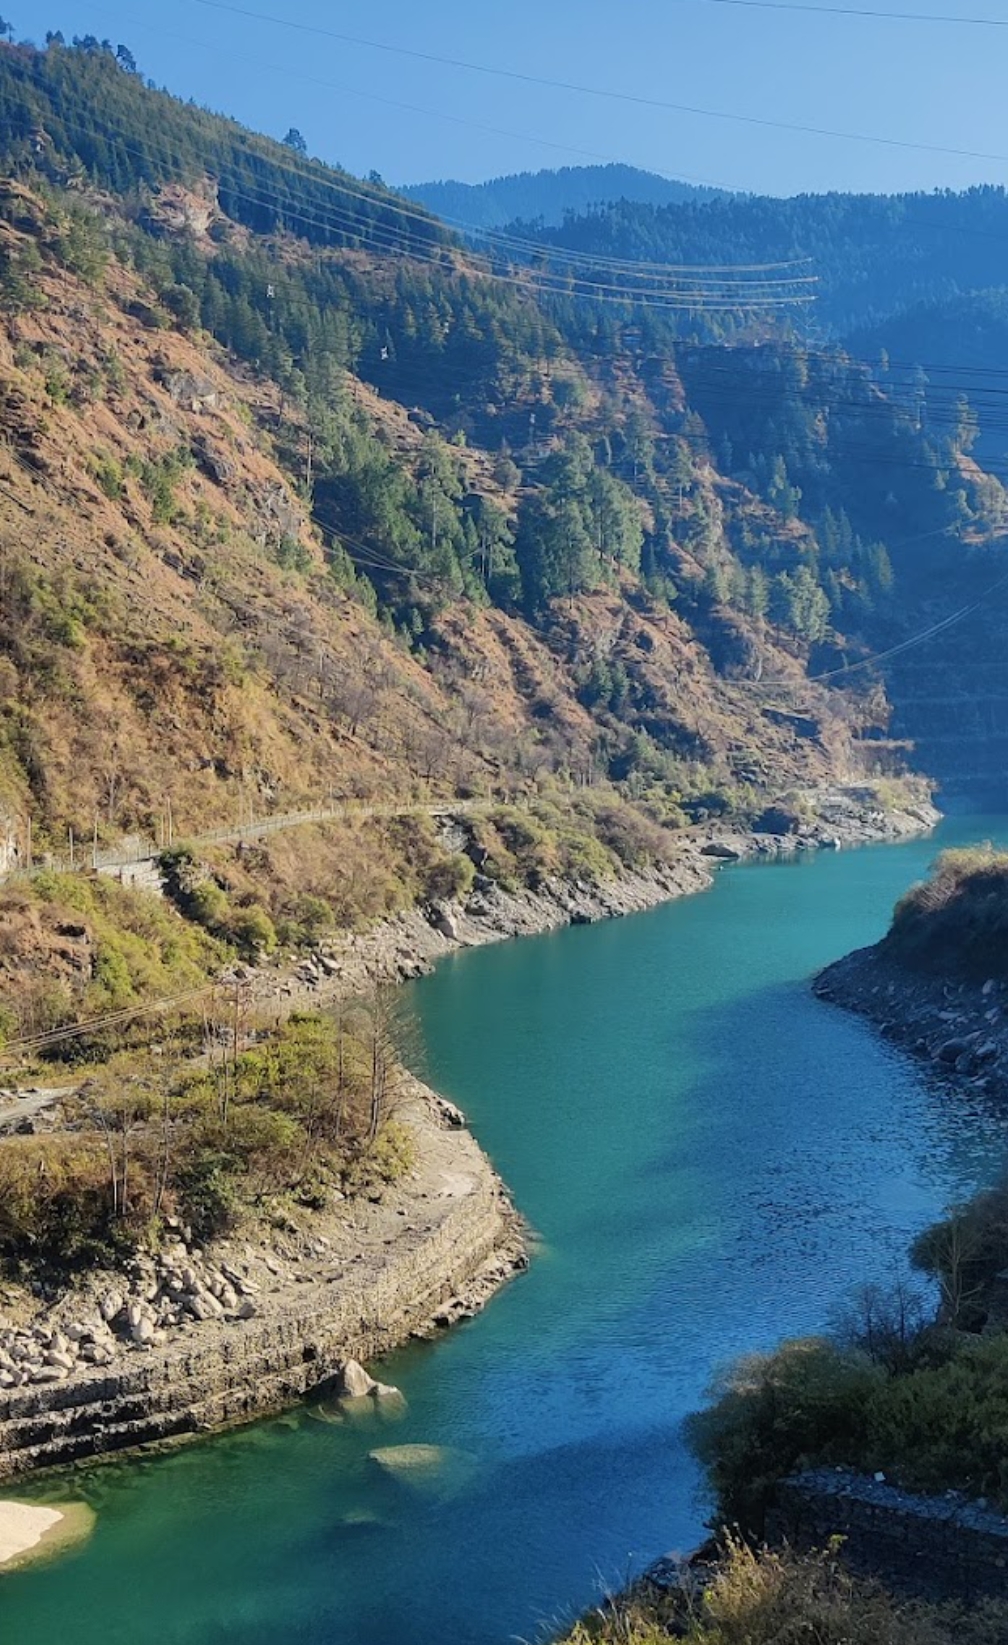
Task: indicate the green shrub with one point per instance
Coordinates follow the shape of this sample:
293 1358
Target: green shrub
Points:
292 555
308 919
195 894
209 1195
449 880
112 976
938 1424
391 1156
775 1413
55 1205
109 476
252 932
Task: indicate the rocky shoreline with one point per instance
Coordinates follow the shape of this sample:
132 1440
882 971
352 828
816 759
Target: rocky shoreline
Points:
960 1029
410 944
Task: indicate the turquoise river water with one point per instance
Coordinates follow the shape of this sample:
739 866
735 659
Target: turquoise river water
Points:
711 1159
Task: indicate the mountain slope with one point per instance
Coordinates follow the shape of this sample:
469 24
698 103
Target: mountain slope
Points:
349 510
874 255
174 623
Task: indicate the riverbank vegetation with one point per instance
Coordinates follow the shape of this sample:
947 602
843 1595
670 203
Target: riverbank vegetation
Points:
302 1114
758 1597
933 1423
955 923
77 947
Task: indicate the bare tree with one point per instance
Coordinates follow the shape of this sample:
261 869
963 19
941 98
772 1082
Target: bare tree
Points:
225 1023
386 1032
111 781
885 1322
955 1247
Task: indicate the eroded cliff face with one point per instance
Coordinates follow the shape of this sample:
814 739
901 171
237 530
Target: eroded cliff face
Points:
433 1250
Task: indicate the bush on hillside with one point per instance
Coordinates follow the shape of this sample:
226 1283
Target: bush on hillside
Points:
937 1425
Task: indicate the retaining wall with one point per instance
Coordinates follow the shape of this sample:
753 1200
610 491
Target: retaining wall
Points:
226 1373
938 1547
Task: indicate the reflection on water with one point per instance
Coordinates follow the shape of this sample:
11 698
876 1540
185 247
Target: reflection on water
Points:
711 1157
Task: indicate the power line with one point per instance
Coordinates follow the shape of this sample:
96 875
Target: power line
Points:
393 241
724 295
478 231
635 98
863 663
864 11
434 114
316 172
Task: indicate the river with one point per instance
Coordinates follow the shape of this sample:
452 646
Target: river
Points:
711 1160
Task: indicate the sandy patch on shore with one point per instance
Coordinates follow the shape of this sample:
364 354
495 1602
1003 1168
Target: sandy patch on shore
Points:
29 1530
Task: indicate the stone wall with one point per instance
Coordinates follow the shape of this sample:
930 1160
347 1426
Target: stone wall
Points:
224 1374
942 1547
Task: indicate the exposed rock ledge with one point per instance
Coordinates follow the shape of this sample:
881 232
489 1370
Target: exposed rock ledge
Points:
430 1251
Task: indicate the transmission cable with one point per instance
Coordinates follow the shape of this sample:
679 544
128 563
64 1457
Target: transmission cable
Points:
638 99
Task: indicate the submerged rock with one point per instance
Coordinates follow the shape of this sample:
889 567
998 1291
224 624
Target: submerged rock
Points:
429 1470
412 1463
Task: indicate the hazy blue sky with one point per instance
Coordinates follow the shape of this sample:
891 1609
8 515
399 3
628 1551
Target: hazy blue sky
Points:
910 82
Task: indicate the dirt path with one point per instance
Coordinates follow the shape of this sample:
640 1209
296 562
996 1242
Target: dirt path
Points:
20 1109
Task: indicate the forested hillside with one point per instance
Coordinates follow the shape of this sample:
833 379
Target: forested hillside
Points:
321 501
548 196
874 254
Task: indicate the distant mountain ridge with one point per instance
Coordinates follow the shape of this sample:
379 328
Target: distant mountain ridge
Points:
551 194
875 255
